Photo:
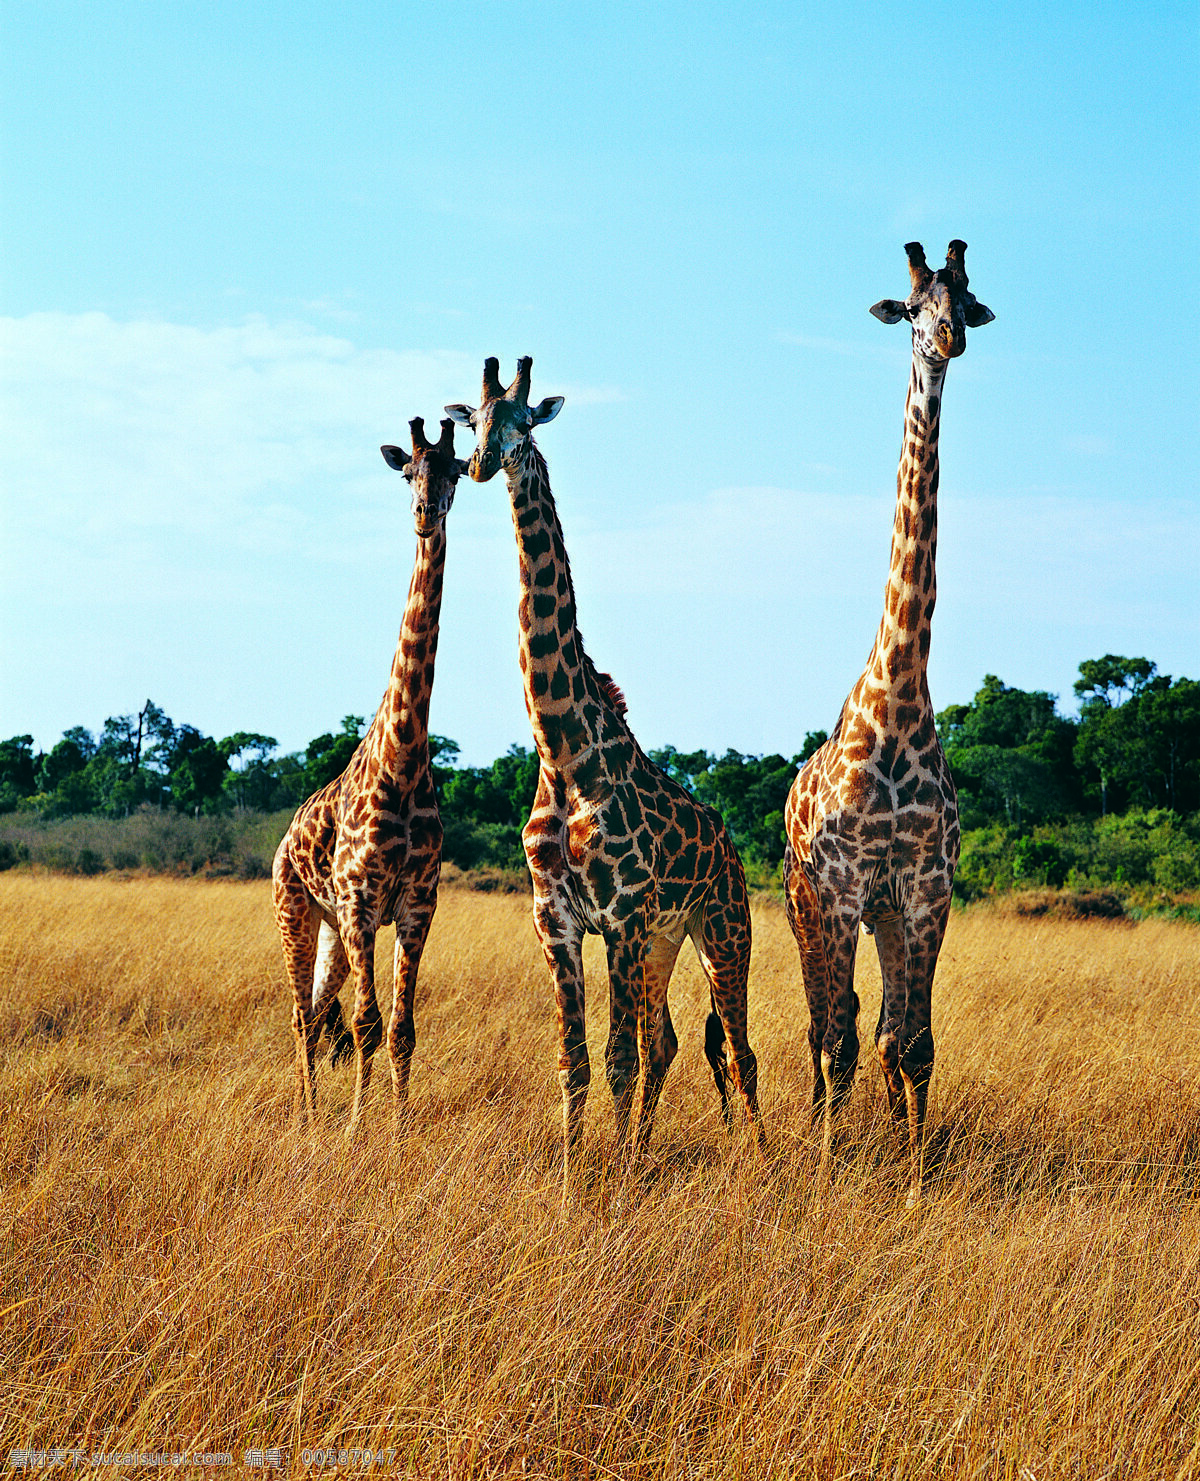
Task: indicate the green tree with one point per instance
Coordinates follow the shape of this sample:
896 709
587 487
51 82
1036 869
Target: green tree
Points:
69 756
18 771
198 771
1011 755
327 756
813 741
1139 735
682 766
255 783
500 793
1171 713
749 792
484 808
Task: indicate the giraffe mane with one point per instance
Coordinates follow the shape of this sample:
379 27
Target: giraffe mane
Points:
609 689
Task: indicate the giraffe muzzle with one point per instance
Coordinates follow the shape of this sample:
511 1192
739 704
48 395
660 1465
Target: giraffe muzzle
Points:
483 466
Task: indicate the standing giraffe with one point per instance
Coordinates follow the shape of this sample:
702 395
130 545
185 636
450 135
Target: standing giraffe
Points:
872 819
366 850
615 847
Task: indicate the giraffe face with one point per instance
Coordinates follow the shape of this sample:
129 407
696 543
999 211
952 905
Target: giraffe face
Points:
502 429
503 422
432 474
940 307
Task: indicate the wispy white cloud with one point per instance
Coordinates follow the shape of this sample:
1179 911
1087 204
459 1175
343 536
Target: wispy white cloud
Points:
177 498
114 432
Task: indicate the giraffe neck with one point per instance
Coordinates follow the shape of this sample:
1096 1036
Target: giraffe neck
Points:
398 741
558 676
901 650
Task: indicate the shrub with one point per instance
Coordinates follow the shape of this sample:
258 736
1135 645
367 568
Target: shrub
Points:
1039 861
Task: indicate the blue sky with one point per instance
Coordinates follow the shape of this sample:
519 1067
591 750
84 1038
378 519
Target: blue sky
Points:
244 244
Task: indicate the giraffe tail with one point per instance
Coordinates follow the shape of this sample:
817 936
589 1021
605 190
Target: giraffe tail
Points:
714 1052
340 1038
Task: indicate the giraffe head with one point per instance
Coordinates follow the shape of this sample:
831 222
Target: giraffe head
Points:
504 419
940 307
432 472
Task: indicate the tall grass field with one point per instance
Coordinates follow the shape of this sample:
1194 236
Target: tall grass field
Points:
184 1273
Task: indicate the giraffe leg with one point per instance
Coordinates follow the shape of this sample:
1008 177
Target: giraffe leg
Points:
923 935
298 922
839 1046
562 944
331 971
358 939
721 937
627 1026
889 944
402 1029
657 1043
804 916
827 941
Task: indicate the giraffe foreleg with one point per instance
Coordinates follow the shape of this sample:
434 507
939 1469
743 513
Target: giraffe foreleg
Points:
358 939
923 936
628 1027
562 945
402 1029
889 944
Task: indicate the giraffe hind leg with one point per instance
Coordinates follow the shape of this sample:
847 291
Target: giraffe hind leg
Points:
298 922
331 971
657 1041
826 942
721 937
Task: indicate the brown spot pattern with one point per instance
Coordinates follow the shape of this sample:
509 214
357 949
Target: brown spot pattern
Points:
872 818
614 846
366 850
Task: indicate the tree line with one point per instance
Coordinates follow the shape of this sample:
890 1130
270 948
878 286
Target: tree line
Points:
1030 780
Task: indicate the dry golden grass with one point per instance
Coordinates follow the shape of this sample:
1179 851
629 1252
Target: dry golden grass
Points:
183 1272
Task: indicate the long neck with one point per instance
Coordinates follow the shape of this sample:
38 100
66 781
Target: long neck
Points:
399 735
559 680
901 650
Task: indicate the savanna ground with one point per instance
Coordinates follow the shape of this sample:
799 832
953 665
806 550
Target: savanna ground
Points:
182 1271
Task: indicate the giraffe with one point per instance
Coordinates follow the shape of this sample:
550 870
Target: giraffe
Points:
872 818
366 850
615 847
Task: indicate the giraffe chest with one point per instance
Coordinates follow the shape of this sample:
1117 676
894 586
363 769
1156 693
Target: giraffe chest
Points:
377 849
637 852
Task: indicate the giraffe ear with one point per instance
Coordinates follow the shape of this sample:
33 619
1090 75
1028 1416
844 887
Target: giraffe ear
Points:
395 457
546 411
890 310
977 314
463 415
